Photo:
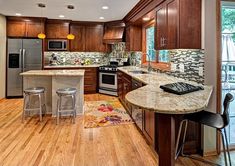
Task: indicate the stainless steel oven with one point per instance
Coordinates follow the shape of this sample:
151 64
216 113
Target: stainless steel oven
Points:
108 81
57 45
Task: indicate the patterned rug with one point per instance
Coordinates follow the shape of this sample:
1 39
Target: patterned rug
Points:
105 113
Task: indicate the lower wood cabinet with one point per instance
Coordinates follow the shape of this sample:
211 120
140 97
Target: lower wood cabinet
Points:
149 126
90 78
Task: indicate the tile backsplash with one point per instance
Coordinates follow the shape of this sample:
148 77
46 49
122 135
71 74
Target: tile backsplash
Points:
187 63
72 58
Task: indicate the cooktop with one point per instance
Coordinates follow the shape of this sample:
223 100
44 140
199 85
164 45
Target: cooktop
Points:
180 88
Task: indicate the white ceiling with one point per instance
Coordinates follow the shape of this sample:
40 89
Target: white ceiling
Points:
85 10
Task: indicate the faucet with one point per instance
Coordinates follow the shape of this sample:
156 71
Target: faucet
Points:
149 68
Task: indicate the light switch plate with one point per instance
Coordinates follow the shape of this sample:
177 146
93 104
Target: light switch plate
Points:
181 66
200 71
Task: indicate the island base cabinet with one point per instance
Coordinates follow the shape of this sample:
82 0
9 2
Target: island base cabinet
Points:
149 127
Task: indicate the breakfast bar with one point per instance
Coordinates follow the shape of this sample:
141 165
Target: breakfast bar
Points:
167 108
52 80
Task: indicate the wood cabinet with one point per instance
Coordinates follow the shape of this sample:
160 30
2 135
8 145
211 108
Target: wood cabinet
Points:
178 25
78 44
124 86
94 38
149 126
134 38
56 29
25 27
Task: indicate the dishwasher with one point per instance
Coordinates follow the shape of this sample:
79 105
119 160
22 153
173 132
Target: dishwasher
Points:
137 112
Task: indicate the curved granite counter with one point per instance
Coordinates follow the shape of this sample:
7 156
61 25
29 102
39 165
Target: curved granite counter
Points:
52 80
152 98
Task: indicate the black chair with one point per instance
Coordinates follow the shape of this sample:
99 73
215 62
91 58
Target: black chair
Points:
218 121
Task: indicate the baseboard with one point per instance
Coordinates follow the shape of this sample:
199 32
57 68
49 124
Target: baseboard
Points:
2 99
210 153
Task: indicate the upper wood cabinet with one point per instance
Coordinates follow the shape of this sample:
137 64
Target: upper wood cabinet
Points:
94 38
134 38
25 27
78 44
178 25
56 29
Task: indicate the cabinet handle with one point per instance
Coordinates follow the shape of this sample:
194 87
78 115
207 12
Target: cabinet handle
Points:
161 42
164 43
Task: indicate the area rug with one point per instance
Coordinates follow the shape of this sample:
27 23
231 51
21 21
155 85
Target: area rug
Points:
105 113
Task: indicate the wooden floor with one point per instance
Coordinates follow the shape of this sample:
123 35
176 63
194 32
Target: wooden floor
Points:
34 143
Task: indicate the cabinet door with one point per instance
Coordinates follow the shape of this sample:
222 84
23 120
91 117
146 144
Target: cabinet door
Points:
160 27
78 44
15 28
34 28
120 86
134 38
170 40
128 38
57 30
94 38
149 126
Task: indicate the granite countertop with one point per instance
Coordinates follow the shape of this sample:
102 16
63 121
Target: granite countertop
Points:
153 98
70 66
54 73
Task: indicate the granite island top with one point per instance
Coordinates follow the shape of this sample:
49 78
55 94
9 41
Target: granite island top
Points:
79 72
152 98
70 66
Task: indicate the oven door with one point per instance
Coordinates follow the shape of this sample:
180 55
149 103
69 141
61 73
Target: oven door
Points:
108 80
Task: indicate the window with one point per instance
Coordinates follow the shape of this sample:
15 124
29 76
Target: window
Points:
151 53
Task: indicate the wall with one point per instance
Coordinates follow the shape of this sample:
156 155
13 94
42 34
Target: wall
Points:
209 37
2 56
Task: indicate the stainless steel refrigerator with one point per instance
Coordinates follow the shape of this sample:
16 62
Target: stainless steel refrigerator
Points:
22 55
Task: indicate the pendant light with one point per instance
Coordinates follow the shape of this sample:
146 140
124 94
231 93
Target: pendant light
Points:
70 36
41 35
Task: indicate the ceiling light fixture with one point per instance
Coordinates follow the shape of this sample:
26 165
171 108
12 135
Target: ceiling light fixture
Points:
61 16
70 36
18 14
101 18
146 18
105 7
41 35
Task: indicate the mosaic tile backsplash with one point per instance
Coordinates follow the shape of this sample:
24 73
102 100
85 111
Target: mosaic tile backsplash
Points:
192 61
72 58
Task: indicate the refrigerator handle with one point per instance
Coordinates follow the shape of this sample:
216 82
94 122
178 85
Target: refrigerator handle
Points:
21 62
23 56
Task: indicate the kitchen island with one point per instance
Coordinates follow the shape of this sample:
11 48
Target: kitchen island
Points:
52 80
166 107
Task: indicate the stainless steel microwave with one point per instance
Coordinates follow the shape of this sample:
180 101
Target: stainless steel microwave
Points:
57 45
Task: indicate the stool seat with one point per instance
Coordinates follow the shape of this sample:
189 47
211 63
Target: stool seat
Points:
66 91
34 90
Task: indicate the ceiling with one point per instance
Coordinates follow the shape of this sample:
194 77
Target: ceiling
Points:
85 10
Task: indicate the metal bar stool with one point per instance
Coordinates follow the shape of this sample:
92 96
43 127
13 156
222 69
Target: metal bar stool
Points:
28 93
62 93
217 121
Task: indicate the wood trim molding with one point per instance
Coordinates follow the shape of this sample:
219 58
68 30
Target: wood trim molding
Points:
141 8
218 56
210 153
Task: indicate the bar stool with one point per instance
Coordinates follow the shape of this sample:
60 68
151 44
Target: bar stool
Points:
214 120
62 93
28 93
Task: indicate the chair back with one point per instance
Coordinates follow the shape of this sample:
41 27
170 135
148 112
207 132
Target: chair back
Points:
227 100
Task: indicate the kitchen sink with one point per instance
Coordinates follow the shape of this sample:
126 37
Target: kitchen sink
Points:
138 72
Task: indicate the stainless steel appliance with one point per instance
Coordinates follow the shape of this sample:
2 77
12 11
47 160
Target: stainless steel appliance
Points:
22 55
108 80
57 45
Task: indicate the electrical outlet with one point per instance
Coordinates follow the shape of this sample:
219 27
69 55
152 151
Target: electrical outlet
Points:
173 67
200 71
181 66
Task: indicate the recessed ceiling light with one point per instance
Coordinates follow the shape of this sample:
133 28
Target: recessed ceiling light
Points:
146 18
61 16
101 18
105 7
18 14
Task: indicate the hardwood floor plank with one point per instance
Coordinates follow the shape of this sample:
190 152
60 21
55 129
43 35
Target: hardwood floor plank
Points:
33 143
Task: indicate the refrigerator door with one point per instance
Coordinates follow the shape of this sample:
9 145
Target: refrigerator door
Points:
14 68
32 54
